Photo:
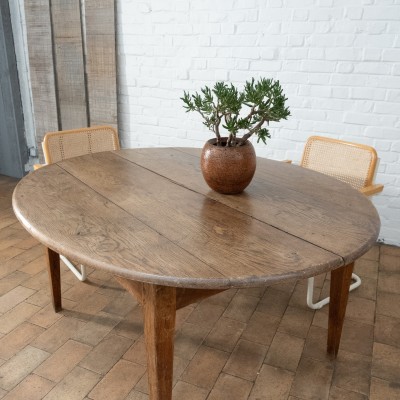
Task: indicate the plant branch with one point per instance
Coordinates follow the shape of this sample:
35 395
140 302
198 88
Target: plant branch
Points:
222 106
252 131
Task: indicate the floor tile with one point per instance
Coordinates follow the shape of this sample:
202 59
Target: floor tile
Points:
120 305
75 386
367 290
272 384
58 334
118 382
357 337
11 281
386 362
17 339
189 339
33 387
387 330
372 253
184 391
106 354
296 321
135 395
366 268
352 372
387 304
205 367
360 309
97 328
389 263
384 390
261 328
225 334
21 365
274 302
315 371
131 326
241 307
337 393
137 353
246 360
315 343
389 282
230 387
285 351
63 361
222 299
205 314
180 365
45 317
14 297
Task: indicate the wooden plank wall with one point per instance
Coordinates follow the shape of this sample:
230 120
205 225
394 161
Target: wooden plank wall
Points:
100 61
70 69
40 48
72 64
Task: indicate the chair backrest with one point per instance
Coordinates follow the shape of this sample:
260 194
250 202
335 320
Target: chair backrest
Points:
58 146
349 162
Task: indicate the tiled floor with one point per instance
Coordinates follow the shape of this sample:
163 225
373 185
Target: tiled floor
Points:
253 344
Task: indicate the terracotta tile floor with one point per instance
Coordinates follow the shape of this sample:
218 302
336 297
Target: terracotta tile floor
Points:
261 343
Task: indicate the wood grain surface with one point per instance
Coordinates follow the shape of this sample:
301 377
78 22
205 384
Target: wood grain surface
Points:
41 61
147 215
68 52
101 62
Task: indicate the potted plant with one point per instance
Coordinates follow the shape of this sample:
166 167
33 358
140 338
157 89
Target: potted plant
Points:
228 162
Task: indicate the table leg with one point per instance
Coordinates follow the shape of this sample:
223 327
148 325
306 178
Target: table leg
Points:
53 267
159 303
339 294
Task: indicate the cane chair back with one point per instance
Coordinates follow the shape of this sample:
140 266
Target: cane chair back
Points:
58 146
352 163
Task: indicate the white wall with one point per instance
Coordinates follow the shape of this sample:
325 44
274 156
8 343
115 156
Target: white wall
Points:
338 61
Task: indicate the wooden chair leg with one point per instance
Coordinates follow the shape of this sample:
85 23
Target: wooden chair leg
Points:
339 294
159 303
53 267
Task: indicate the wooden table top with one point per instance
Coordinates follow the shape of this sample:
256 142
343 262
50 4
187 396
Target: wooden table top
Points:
148 215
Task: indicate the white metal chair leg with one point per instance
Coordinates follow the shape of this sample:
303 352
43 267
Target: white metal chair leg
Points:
323 302
81 275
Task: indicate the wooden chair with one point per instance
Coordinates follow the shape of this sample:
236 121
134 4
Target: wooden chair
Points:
58 146
353 163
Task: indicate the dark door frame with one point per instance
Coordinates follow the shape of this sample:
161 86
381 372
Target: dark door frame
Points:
13 148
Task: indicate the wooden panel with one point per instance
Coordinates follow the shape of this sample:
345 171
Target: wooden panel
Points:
230 244
75 221
38 26
68 48
113 214
101 62
294 205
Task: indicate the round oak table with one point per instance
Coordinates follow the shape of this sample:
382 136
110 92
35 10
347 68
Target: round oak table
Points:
147 217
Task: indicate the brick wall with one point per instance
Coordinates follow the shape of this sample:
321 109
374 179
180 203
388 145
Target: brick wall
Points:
338 62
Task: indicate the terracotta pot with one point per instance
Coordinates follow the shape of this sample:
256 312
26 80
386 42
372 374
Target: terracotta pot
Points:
228 170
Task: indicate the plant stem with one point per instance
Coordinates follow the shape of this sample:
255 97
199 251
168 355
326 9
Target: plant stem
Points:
250 132
216 131
252 112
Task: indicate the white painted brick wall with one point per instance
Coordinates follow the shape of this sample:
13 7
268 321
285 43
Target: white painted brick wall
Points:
338 62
